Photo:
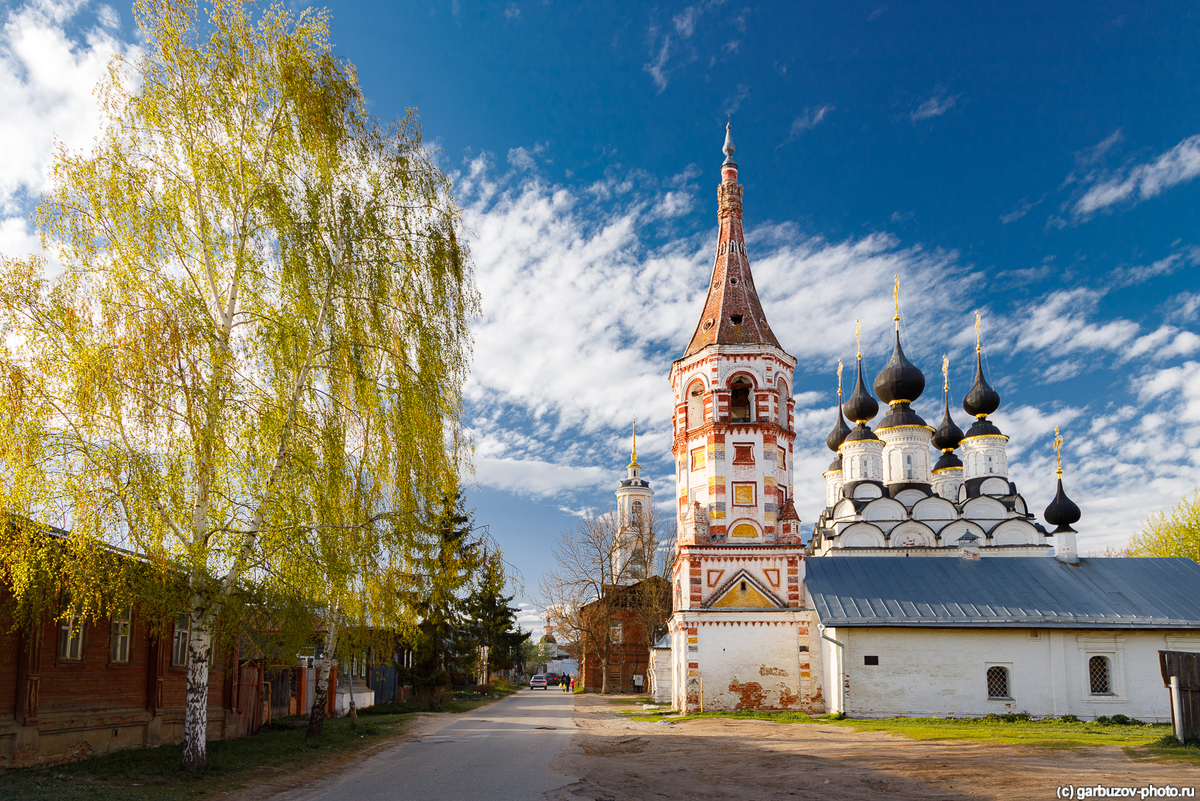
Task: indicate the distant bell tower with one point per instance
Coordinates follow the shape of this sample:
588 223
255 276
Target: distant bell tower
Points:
635 545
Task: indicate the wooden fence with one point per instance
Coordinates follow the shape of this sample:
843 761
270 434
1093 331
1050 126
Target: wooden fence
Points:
1184 668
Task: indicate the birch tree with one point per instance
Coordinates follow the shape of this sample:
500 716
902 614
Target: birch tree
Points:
248 265
1176 534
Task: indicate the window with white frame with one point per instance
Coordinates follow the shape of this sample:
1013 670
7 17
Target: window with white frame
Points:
70 633
118 644
183 633
617 632
1100 675
997 683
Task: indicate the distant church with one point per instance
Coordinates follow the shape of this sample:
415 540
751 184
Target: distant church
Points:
762 621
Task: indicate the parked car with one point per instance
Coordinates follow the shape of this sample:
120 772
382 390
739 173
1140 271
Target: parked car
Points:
552 679
538 682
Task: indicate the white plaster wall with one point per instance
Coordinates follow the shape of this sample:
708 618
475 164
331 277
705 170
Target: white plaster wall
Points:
942 672
744 666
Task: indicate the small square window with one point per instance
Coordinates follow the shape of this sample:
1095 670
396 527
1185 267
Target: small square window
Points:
997 683
1100 675
870 660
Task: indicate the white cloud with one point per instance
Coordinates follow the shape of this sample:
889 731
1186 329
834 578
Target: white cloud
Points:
1183 308
935 106
512 12
1178 165
811 118
685 21
49 66
658 67
1020 210
1137 274
734 102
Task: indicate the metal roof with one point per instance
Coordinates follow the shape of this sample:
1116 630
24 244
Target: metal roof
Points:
1028 592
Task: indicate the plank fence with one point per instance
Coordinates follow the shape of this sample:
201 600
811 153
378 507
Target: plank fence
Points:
1181 675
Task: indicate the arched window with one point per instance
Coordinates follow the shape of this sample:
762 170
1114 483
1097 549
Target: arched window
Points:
636 516
990 467
1100 675
739 400
908 466
695 405
997 682
781 399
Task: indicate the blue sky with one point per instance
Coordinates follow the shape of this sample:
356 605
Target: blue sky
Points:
1034 161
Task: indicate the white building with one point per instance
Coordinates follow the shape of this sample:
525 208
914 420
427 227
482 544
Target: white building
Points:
969 637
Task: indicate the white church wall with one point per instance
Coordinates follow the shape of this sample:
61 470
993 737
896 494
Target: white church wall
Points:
943 672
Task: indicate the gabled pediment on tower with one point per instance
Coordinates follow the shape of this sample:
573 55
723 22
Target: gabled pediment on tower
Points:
744 591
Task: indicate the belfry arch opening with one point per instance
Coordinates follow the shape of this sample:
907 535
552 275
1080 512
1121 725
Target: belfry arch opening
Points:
739 399
781 400
695 404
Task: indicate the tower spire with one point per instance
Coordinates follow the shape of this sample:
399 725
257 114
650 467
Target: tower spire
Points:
733 313
633 456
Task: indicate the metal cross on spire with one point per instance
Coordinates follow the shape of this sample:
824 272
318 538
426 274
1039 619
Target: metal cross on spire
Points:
839 382
896 295
1058 442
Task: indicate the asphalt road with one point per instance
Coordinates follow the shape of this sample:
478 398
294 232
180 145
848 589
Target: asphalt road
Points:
500 752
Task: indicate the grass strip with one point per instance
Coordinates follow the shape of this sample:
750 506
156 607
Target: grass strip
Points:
1148 739
153 773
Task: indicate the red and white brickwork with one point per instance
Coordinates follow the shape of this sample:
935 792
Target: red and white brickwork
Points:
740 629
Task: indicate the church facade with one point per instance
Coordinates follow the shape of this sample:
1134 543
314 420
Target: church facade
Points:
1013 620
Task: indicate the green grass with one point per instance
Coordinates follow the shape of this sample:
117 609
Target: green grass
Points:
153 773
1012 729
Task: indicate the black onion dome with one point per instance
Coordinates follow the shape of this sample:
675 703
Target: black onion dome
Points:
862 405
861 432
900 379
982 399
901 413
838 435
983 427
946 461
1062 511
835 465
948 434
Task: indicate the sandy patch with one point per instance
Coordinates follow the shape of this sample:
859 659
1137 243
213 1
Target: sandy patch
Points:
622 760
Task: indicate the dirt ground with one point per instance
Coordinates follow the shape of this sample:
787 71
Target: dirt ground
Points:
620 759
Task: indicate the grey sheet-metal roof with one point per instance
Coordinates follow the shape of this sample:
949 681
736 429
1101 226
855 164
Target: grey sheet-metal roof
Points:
1029 592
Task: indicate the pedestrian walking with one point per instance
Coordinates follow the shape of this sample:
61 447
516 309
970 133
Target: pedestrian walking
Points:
566 682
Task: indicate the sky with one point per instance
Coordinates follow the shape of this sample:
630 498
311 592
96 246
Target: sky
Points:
1037 162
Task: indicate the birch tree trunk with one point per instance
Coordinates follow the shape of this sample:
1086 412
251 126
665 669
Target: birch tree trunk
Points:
316 716
195 715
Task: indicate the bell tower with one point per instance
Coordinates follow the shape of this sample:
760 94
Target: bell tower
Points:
738 615
636 543
733 429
